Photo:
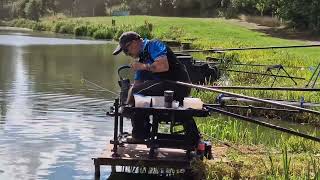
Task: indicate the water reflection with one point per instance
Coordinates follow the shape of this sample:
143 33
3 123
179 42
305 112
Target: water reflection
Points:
51 124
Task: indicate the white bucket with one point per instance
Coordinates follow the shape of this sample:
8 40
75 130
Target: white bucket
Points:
141 101
157 101
194 103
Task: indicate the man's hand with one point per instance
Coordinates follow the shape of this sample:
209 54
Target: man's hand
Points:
138 66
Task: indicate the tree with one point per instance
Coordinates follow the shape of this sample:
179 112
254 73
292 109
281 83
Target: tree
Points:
99 8
49 7
32 10
301 14
154 7
138 6
109 5
17 9
166 7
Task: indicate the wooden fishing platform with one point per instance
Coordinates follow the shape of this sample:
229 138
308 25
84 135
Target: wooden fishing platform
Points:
161 153
136 155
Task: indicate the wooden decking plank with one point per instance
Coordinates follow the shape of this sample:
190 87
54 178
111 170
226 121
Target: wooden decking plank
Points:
137 155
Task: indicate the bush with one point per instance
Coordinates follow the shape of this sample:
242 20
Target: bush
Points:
81 30
91 29
121 29
44 26
25 23
104 33
174 33
67 28
144 31
56 27
19 22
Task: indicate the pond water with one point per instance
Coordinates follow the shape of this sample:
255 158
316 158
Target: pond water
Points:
51 123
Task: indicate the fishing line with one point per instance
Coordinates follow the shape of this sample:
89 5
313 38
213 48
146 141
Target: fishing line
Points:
149 87
83 80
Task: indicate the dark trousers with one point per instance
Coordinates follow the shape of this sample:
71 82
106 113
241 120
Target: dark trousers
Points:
140 122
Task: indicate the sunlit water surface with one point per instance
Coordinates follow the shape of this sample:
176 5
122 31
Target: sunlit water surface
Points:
52 123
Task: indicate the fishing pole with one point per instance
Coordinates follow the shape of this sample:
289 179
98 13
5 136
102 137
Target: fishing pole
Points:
251 107
244 96
263 74
314 73
252 120
219 50
265 88
254 65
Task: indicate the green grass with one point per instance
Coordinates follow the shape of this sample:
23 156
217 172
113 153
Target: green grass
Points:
259 165
210 33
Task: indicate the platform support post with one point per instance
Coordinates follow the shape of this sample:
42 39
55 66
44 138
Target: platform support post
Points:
116 129
96 170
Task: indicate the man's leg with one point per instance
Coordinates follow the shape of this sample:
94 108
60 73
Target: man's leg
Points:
140 122
191 130
140 126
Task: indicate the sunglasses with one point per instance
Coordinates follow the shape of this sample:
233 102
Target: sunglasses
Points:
125 49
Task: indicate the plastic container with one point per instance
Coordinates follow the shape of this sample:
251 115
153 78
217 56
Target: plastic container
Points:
141 101
157 101
194 103
175 104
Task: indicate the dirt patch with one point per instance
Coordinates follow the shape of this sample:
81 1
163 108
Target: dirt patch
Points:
220 152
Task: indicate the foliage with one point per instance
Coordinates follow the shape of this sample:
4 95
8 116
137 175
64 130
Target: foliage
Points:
303 14
32 10
105 33
174 33
17 9
81 30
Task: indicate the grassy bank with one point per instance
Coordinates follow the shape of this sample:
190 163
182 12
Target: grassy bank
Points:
246 162
271 159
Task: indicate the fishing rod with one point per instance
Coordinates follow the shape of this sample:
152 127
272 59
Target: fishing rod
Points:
250 107
254 65
317 76
219 50
244 96
272 126
265 88
263 74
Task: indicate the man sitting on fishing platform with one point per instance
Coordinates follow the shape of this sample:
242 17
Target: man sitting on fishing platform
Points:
154 63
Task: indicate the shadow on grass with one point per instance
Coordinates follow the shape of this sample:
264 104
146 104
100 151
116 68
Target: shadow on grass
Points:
286 33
